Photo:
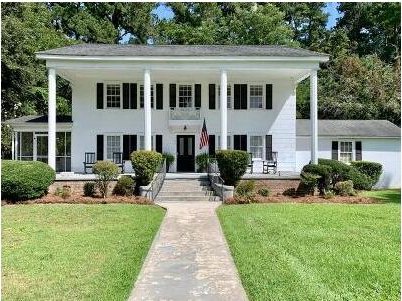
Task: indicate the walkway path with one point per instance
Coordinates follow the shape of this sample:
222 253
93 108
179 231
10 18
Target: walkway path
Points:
189 259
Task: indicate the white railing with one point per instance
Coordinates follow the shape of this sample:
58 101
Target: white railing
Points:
184 114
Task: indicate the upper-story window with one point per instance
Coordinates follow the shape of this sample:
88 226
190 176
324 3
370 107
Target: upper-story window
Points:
185 96
346 151
256 96
142 96
113 95
228 95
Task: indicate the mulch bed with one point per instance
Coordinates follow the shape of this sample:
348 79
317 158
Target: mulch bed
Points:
80 199
309 199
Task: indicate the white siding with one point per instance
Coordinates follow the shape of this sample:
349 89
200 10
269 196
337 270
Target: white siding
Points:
382 150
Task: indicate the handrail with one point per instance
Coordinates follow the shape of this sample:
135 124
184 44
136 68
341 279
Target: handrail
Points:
157 182
215 178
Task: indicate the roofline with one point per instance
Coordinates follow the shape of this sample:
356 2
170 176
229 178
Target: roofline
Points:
45 56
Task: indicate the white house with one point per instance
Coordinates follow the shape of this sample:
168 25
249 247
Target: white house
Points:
130 97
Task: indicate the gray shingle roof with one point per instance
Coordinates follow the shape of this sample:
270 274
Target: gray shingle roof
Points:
38 119
181 50
349 128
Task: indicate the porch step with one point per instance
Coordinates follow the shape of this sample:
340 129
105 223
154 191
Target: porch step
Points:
179 190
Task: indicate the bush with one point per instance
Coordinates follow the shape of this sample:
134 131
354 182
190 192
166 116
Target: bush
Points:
263 192
344 188
106 171
324 173
64 192
329 194
202 161
339 170
360 180
371 169
22 180
290 192
124 186
89 189
145 164
232 165
308 182
169 160
245 188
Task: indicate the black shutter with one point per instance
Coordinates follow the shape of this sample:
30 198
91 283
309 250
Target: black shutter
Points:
211 145
243 142
243 97
334 150
158 143
268 96
172 95
268 147
159 96
133 96
358 147
99 147
126 96
236 142
197 98
129 145
212 97
99 95
237 95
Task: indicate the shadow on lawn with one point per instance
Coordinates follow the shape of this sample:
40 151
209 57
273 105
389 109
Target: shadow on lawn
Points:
386 196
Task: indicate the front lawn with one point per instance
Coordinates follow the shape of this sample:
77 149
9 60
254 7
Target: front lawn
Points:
317 251
74 252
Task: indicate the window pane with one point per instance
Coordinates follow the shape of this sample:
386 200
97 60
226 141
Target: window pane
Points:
256 147
113 95
228 96
346 151
41 146
185 96
27 144
256 95
68 143
112 145
142 96
60 143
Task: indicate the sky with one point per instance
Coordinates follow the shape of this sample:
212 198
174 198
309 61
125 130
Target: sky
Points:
165 13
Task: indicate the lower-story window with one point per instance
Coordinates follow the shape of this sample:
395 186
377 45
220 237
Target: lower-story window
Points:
113 145
142 143
346 151
256 146
229 144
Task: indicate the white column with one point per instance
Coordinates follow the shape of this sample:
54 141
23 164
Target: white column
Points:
52 119
313 117
224 110
12 144
147 110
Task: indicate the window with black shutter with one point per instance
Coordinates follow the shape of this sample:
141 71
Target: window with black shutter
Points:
212 97
334 150
126 95
172 95
158 144
240 142
133 96
159 96
240 97
358 150
99 147
99 95
268 146
129 145
211 145
268 96
197 95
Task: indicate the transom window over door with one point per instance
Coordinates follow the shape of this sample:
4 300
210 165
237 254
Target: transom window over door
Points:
112 145
185 96
256 146
113 95
256 96
346 151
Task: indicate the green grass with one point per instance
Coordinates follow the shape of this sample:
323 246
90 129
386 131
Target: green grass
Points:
74 252
386 195
316 251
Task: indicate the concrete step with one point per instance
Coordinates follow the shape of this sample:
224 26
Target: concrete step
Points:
185 193
183 182
185 188
186 198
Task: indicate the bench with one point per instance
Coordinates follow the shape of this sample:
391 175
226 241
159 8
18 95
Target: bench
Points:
271 162
117 158
89 161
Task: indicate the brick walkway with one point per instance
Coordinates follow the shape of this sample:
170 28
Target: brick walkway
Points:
189 259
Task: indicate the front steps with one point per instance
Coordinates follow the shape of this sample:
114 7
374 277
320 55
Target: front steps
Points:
176 190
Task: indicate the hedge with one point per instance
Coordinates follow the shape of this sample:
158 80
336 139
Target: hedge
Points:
371 169
360 180
23 180
323 171
232 165
145 164
339 170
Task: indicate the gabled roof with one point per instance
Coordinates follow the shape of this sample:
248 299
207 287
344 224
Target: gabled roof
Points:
350 128
37 119
181 50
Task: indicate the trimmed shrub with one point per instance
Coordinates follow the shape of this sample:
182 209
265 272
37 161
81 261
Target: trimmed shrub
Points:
23 180
329 194
371 169
145 164
245 188
290 192
202 162
89 189
106 171
232 165
339 170
344 188
169 160
308 182
263 192
324 173
64 192
124 186
360 180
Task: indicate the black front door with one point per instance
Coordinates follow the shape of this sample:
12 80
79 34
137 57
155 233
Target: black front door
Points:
185 153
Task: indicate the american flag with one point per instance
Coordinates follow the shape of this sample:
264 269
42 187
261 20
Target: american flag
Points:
204 136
